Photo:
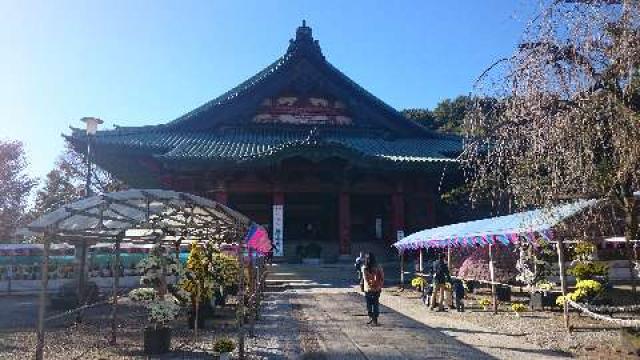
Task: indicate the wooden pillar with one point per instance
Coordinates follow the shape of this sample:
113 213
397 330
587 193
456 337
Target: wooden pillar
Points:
221 195
563 282
114 290
494 295
344 219
397 215
43 298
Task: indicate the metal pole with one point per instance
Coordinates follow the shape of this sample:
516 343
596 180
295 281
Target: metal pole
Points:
563 283
421 260
116 278
493 280
87 184
12 269
83 245
401 269
241 309
197 314
43 298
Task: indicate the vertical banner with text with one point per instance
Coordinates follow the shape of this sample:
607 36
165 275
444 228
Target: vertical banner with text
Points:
278 230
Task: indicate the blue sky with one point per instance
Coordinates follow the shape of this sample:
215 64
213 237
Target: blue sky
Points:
136 62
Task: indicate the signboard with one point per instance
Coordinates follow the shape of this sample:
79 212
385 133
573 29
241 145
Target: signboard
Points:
278 230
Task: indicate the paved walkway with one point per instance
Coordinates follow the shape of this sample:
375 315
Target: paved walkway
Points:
314 313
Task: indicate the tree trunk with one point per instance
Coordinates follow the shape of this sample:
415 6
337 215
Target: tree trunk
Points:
563 283
631 208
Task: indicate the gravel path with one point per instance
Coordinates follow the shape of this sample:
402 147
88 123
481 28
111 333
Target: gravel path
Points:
506 336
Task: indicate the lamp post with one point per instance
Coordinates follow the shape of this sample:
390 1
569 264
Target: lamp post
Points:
91 127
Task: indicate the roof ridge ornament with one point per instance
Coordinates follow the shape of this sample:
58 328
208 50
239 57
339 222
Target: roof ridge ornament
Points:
304 42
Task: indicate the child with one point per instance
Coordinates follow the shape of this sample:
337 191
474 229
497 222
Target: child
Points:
458 293
427 293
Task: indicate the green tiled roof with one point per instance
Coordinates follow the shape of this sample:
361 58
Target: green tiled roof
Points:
249 144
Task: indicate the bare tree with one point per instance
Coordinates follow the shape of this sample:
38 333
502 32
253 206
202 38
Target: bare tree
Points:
567 123
66 182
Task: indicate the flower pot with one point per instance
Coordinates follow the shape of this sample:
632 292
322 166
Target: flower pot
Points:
157 341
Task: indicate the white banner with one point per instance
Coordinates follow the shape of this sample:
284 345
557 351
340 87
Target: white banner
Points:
378 228
278 230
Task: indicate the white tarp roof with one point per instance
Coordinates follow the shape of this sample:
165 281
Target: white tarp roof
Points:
504 229
109 214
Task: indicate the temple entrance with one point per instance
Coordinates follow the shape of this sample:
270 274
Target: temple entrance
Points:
369 217
311 217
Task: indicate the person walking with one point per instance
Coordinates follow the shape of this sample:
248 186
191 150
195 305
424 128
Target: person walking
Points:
373 281
358 265
440 278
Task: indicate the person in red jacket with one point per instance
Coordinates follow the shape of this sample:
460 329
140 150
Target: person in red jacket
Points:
373 281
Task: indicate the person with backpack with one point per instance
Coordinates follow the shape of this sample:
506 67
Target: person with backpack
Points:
440 279
373 281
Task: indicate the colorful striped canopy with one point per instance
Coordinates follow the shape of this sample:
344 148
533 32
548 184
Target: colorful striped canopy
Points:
502 229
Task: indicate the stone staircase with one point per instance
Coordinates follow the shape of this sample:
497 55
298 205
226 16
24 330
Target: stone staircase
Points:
330 251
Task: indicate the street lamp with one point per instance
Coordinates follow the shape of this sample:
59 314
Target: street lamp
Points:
92 127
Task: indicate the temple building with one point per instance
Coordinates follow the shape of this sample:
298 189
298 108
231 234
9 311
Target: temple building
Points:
300 148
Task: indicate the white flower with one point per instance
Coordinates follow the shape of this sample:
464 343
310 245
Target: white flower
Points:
142 294
162 311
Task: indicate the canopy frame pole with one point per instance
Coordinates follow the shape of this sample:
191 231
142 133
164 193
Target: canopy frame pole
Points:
42 308
114 291
241 297
421 254
563 282
402 269
449 253
494 295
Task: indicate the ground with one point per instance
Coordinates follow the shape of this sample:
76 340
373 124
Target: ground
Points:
317 313
327 312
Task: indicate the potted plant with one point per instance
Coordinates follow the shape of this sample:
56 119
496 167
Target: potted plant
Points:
224 347
162 310
484 302
542 296
518 308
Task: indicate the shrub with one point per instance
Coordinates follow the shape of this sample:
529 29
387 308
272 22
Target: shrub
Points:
518 307
585 290
224 345
142 294
587 270
484 302
584 250
544 285
418 282
162 311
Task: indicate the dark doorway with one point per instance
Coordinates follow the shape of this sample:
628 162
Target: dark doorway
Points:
369 217
310 217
